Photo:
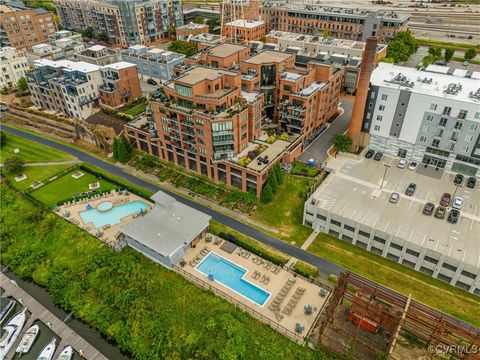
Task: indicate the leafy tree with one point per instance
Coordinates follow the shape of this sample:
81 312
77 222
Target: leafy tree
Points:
199 20
22 86
3 138
272 181
126 144
388 60
14 165
88 33
122 149
402 47
427 60
267 195
263 39
212 24
102 37
326 33
341 143
449 54
182 47
45 4
470 54
172 30
435 51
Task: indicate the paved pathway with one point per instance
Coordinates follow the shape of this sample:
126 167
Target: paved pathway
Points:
50 163
324 266
67 335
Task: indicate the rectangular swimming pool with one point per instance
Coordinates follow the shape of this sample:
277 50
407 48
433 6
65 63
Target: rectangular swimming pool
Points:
232 276
112 216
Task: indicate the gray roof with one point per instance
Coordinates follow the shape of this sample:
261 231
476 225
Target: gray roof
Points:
167 226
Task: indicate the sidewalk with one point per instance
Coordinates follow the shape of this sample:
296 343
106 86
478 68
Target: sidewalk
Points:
291 263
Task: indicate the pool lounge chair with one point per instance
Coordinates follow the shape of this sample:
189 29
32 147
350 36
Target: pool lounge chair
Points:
247 256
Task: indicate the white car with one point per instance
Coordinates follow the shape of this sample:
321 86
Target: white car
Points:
413 166
402 163
457 203
394 197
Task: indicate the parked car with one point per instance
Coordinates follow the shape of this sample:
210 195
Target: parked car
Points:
394 197
151 82
378 156
453 216
410 189
445 199
458 180
471 182
402 163
457 203
428 208
440 212
369 153
413 166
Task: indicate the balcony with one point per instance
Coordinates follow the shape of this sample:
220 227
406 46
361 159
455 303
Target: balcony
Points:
107 88
294 116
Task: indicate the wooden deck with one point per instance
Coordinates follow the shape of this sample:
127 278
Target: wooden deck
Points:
38 311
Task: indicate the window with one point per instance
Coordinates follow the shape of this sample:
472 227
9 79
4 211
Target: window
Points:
348 227
379 239
458 125
468 274
335 222
370 106
384 96
477 115
396 246
321 217
364 233
449 267
443 122
473 127
381 108
462 114
435 143
379 118
447 110
465 148
429 118
426 128
423 138
433 107
413 253
372 95
469 138
377 128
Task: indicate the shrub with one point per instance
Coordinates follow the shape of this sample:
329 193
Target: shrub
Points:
267 195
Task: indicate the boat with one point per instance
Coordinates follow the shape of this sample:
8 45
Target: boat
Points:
66 353
48 350
11 332
7 306
28 339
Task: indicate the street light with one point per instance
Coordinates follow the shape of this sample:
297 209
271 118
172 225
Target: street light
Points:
456 189
385 173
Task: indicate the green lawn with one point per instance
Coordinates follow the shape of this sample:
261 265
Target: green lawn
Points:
31 151
150 312
136 109
285 212
36 173
423 288
66 187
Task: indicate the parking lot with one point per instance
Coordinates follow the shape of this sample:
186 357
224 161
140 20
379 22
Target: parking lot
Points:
354 192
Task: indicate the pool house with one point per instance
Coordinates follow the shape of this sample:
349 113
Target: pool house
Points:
167 231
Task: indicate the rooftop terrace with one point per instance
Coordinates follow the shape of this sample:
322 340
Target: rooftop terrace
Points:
268 56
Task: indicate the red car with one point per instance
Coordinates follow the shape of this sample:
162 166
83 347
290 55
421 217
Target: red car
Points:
445 200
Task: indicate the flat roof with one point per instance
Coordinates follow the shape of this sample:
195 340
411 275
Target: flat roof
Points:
67 65
249 24
199 73
168 226
225 50
269 56
192 26
119 65
425 82
353 192
96 48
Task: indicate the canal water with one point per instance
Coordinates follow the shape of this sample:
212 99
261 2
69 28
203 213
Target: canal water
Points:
45 336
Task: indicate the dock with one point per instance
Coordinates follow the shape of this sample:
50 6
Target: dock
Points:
39 312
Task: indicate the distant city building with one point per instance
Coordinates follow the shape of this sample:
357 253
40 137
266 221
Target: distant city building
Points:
125 22
13 66
244 31
22 27
190 15
186 31
62 45
432 117
98 55
153 63
339 22
120 84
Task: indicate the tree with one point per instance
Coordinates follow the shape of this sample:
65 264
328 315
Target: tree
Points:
263 39
449 54
3 138
427 60
435 51
88 33
22 85
387 60
172 31
102 37
279 173
402 47
199 20
470 54
115 148
272 181
182 47
266 196
326 34
122 149
213 24
14 165
341 143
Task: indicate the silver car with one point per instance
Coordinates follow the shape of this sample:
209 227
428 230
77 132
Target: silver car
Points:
394 197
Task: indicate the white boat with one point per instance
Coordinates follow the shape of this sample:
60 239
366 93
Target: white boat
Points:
48 350
28 339
66 353
11 332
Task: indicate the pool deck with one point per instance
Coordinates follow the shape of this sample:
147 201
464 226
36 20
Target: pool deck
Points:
110 233
274 286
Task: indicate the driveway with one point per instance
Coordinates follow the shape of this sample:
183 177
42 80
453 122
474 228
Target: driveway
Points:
318 149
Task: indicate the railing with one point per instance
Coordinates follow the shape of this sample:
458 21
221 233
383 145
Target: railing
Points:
274 325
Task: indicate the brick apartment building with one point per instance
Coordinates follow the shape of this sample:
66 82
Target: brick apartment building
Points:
22 27
244 31
191 29
223 56
120 84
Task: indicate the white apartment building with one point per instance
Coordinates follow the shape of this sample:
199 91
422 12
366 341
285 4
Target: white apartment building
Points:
98 55
13 66
62 45
428 116
65 86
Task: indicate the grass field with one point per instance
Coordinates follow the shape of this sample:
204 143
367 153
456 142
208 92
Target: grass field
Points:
36 173
285 212
423 288
30 151
66 187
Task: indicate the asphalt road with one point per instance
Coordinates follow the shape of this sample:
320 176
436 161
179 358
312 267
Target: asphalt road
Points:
318 149
324 267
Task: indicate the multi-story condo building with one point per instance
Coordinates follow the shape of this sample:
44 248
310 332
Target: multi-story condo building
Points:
190 15
204 122
430 117
348 23
62 45
153 63
98 55
13 66
185 32
244 31
125 22
120 84
22 27
223 56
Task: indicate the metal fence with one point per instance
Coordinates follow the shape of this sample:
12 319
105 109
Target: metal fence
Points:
274 325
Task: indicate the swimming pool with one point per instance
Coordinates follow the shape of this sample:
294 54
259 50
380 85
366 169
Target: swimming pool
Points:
231 276
113 216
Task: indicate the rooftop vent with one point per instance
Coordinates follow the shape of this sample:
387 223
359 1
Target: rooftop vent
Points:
453 89
475 95
402 80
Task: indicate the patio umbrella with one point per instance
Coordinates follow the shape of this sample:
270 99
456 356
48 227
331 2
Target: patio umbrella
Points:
298 327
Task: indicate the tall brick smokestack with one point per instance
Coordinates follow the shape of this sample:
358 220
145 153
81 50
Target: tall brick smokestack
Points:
368 63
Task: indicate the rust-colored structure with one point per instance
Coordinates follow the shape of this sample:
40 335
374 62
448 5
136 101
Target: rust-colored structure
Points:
368 63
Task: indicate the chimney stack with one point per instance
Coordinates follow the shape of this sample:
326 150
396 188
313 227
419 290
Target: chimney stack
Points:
368 64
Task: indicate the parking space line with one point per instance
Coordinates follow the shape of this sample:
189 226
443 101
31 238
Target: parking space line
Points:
424 238
409 206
